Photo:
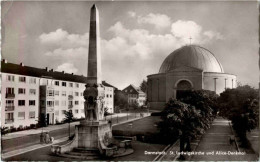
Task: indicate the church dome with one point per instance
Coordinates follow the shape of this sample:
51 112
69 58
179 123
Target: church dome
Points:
192 56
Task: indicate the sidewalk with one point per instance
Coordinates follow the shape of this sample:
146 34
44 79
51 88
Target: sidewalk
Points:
48 129
56 141
216 140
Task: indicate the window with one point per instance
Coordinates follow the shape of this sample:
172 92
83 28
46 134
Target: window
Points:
63 93
56 103
9 116
107 95
76 111
81 94
110 96
57 112
57 83
77 85
10 78
50 93
31 102
32 81
76 102
70 84
70 93
125 90
76 93
32 114
57 93
9 103
22 79
32 91
50 103
70 103
21 102
63 103
21 90
131 90
21 115
9 90
63 84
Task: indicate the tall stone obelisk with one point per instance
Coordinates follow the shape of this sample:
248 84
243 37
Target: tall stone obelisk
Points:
94 56
94 92
93 136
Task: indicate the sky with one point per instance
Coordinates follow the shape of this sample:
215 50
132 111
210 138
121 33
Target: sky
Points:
135 36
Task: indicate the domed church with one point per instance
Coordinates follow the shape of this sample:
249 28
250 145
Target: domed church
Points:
190 67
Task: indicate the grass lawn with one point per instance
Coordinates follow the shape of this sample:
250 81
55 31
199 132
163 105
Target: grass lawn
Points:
143 126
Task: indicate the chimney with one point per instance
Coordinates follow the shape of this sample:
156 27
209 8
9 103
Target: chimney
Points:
51 70
21 64
4 60
72 73
46 69
62 72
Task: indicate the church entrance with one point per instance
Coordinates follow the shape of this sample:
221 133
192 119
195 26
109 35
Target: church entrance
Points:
182 87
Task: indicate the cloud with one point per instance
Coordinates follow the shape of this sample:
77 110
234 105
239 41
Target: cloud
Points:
61 38
213 35
70 52
67 68
158 20
184 30
131 13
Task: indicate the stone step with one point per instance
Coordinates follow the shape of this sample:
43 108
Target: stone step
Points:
88 150
83 153
82 157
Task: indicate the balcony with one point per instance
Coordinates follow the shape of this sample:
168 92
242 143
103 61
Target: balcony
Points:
9 121
70 97
9 95
70 106
9 108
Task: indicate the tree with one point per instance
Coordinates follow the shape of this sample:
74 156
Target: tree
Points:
205 101
240 105
68 118
180 120
120 99
143 86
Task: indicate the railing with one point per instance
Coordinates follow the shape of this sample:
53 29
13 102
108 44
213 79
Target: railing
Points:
9 95
9 108
70 106
8 121
70 97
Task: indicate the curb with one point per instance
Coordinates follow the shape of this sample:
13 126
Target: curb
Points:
234 135
30 148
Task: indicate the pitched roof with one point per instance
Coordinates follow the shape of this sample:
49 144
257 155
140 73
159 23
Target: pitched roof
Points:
37 72
137 89
107 85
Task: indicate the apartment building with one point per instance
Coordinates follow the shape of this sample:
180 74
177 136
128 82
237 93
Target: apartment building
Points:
135 95
29 93
109 97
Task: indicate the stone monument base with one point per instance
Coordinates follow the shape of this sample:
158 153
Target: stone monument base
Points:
93 140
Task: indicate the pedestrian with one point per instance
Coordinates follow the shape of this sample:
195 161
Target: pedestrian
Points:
47 138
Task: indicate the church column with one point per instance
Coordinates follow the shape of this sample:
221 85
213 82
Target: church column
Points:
158 90
215 84
225 83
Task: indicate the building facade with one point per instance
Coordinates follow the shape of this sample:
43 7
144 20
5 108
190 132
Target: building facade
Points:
187 68
29 94
135 95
